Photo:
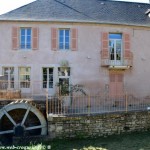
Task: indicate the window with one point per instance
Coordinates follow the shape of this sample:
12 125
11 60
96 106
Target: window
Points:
47 77
64 80
25 38
24 76
115 47
64 39
8 78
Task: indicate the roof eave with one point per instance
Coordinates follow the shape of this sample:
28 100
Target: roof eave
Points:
75 21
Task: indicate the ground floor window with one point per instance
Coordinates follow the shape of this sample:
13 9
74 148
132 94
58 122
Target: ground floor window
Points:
24 77
48 78
64 80
8 77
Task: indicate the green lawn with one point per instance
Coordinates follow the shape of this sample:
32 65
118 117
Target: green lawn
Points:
134 141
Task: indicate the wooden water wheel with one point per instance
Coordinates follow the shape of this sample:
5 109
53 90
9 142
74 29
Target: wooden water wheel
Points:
21 118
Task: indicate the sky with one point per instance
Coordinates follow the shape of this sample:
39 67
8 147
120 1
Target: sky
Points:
8 5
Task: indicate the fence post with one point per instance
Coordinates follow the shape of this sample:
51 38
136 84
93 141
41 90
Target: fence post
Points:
47 102
89 105
126 99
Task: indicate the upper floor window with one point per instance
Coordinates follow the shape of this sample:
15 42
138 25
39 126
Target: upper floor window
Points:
64 39
25 38
115 46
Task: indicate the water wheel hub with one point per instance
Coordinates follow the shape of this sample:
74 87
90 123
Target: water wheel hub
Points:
19 130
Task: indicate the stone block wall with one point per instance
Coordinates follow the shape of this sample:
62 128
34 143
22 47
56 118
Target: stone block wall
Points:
98 125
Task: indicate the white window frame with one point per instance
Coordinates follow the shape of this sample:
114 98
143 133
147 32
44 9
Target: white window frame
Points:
64 40
115 61
48 81
25 82
25 42
9 82
65 74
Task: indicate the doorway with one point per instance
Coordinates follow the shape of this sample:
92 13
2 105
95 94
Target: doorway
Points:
116 84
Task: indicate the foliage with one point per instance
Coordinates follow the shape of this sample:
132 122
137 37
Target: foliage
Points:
131 141
66 90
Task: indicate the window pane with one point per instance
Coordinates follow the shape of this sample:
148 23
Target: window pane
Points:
64 71
60 45
67 46
67 39
24 76
48 77
61 39
115 36
61 32
118 50
22 31
67 33
25 42
29 32
64 40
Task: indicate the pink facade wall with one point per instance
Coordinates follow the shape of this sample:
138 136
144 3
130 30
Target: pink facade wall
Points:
85 63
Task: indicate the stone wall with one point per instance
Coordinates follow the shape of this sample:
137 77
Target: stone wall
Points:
98 125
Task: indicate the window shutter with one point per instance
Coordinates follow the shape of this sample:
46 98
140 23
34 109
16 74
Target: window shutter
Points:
15 38
105 40
35 38
74 39
126 40
54 39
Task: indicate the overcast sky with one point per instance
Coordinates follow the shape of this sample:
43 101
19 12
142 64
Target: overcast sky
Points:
8 5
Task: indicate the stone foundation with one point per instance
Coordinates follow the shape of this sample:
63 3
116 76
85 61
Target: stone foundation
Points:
98 125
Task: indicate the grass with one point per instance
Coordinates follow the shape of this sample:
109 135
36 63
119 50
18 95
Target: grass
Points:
132 141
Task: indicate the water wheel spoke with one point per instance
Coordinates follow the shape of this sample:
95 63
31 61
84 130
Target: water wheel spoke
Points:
35 127
9 117
6 132
25 116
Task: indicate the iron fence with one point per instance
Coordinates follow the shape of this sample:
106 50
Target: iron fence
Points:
88 105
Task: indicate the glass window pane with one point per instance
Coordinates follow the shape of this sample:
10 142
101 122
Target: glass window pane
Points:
60 45
61 32
24 76
67 46
115 36
67 33
22 31
61 39
28 31
67 39
25 42
64 40
22 46
48 77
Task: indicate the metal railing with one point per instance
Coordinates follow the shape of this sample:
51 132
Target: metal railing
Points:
88 105
111 60
26 89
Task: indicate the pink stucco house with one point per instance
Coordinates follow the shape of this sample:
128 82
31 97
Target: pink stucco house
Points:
101 44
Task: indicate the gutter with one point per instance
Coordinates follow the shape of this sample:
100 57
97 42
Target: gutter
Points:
73 21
